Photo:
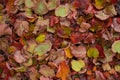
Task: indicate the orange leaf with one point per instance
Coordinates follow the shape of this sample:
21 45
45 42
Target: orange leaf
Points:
63 71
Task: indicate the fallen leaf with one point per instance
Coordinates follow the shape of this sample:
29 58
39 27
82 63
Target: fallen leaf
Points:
40 7
5 30
99 4
62 11
29 3
77 65
52 4
19 57
63 71
47 71
101 15
40 38
117 68
21 27
68 52
93 52
115 25
43 48
116 46
78 52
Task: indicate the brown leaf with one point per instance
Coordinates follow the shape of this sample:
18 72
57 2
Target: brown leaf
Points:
63 71
5 30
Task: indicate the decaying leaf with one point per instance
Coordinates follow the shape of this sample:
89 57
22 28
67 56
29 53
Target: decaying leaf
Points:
19 57
78 52
5 30
47 71
63 71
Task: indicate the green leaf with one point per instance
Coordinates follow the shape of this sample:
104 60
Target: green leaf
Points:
117 68
43 48
77 65
41 38
29 3
1 70
93 52
116 46
41 7
62 11
20 69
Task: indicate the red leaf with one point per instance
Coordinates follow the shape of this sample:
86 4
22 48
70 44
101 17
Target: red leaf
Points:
101 51
53 20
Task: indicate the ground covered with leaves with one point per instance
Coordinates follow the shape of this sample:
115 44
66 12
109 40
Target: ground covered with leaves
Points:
59 39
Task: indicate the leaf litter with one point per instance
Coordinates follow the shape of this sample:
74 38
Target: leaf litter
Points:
59 39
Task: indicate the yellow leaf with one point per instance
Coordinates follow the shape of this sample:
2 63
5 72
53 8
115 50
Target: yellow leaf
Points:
68 52
40 38
63 71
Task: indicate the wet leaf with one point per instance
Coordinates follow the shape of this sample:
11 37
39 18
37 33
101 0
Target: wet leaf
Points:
42 48
93 52
63 71
77 65
47 71
116 46
62 11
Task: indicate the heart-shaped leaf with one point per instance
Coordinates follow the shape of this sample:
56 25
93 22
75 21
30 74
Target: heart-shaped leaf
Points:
77 65
93 52
116 46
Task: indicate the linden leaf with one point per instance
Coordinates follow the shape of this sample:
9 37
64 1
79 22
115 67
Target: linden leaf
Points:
40 38
117 68
47 71
43 48
29 3
77 65
63 71
68 52
99 4
101 15
116 46
41 7
62 11
93 52
52 4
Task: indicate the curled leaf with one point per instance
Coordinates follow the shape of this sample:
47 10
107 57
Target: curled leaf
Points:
62 11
